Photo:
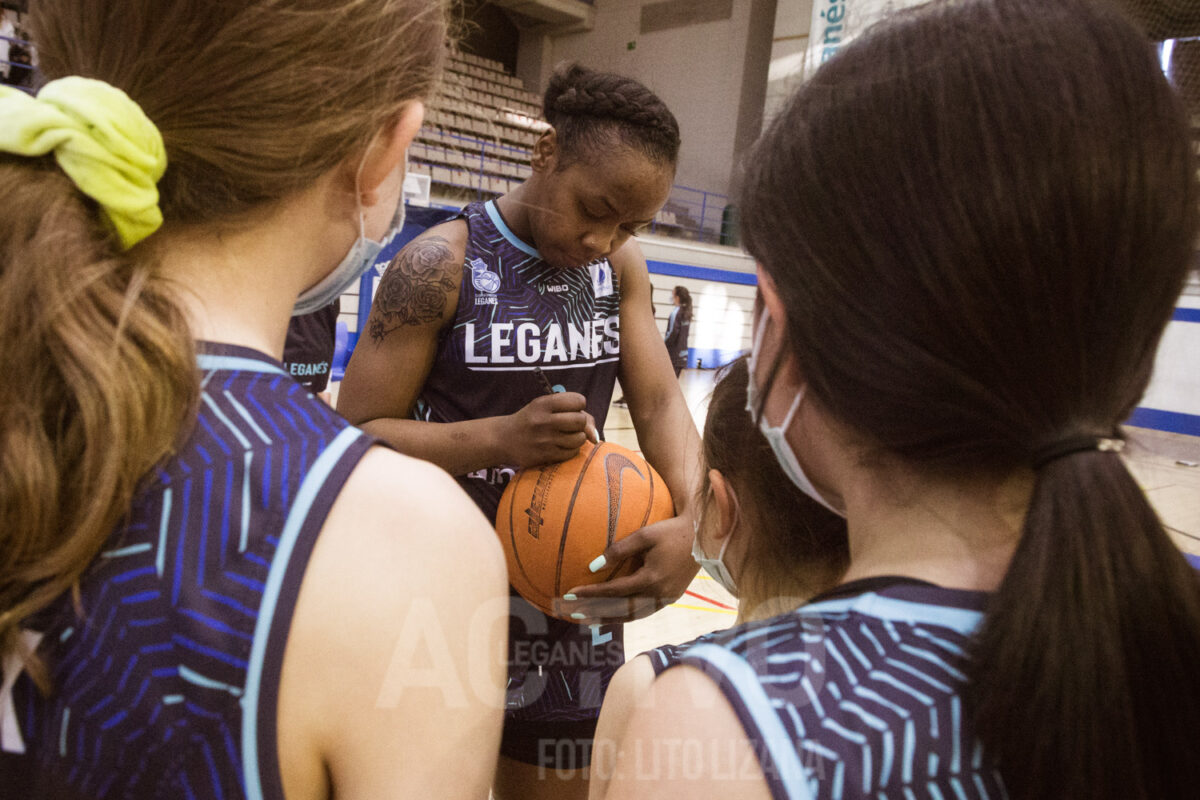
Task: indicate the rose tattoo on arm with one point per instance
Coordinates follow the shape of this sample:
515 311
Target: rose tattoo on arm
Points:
414 288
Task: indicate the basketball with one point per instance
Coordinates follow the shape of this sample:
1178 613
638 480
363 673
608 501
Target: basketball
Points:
553 520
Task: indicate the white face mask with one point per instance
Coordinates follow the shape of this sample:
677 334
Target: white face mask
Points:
715 567
777 436
361 257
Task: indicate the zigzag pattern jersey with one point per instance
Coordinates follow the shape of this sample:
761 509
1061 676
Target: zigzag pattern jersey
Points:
167 685
516 312
858 695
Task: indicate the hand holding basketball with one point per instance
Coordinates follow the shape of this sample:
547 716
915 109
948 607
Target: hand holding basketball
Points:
553 520
664 552
549 429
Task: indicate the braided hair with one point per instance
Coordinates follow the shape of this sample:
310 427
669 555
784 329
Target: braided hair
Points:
589 110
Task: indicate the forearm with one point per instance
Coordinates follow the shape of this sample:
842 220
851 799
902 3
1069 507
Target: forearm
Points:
669 440
457 447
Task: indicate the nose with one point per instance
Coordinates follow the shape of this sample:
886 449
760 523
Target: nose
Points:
600 243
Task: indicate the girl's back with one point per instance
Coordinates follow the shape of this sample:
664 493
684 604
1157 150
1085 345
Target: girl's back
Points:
166 686
211 582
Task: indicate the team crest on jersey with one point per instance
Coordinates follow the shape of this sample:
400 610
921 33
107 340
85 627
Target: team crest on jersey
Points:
602 282
482 278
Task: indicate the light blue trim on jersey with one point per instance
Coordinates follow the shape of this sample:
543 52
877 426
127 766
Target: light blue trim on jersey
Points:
305 496
962 620
745 682
211 362
497 220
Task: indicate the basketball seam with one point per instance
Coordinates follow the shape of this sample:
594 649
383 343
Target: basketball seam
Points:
650 501
512 533
562 541
614 512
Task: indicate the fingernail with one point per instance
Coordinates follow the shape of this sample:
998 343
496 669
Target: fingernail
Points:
569 597
577 615
598 564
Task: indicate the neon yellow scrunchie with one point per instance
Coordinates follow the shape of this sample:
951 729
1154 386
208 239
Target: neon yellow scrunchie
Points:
101 139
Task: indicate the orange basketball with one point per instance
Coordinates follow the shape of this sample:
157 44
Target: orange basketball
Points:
555 519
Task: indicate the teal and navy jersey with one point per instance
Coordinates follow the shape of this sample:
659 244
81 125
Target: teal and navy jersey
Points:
516 312
858 694
309 346
166 685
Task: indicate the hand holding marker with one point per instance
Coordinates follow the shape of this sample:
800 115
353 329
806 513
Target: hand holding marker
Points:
589 430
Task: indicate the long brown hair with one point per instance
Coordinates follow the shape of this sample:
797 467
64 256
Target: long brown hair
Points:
255 99
979 219
685 303
795 547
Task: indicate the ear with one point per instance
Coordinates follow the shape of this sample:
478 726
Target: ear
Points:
726 505
387 150
788 372
545 152
770 295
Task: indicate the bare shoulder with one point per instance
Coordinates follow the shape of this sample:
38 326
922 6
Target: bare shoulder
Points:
632 680
405 518
626 692
405 568
420 285
686 708
628 260
404 498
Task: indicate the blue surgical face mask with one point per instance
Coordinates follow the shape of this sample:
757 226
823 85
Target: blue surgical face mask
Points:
361 257
777 436
715 567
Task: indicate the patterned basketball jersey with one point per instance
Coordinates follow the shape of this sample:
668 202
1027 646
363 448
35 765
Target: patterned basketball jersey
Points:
666 656
858 695
167 685
515 313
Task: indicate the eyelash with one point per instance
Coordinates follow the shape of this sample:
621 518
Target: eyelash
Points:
634 232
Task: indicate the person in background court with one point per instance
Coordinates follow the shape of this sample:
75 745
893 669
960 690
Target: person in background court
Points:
679 325
309 347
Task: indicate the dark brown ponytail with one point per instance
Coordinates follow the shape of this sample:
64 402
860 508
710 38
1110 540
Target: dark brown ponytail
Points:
1084 677
979 218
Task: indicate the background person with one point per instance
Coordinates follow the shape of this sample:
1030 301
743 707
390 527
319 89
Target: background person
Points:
309 347
678 326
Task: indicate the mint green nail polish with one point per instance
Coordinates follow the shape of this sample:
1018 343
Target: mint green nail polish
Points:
598 564
577 615
569 597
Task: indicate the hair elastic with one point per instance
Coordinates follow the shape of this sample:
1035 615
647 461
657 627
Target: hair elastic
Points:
101 139
1075 444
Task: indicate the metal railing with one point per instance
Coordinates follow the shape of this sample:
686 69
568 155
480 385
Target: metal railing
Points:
697 215
20 73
